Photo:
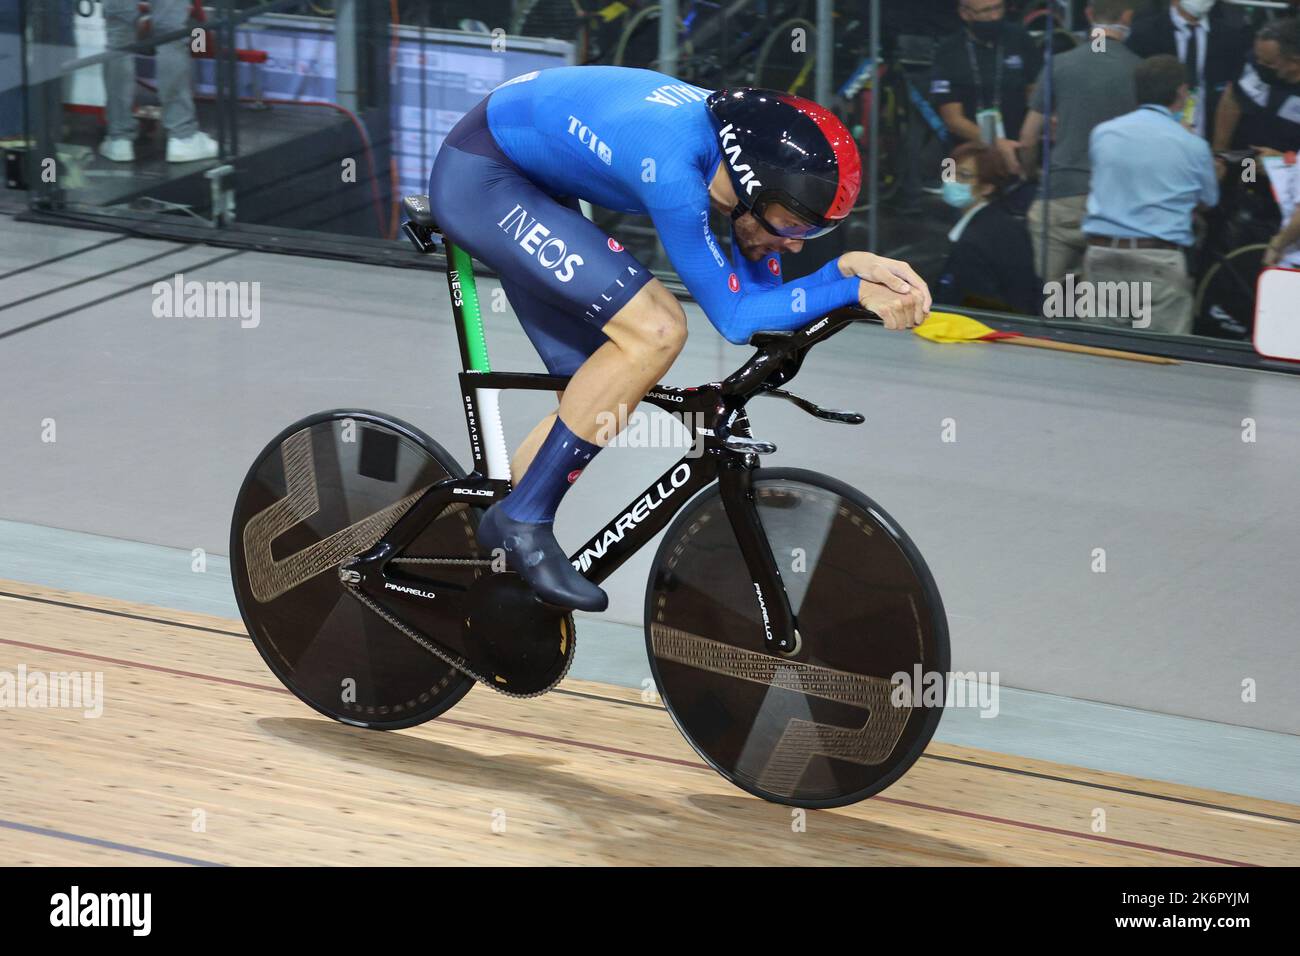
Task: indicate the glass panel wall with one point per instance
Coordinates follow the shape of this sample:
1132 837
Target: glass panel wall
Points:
301 115
977 122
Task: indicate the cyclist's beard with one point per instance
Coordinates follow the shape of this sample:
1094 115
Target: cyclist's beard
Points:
753 240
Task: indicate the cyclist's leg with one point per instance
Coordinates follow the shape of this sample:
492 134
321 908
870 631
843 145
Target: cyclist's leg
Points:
645 335
563 340
610 376
554 256
563 345
642 339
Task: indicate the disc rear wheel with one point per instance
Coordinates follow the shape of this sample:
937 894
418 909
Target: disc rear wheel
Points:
326 488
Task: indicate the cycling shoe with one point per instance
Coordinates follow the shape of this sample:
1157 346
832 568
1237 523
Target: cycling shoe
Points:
532 551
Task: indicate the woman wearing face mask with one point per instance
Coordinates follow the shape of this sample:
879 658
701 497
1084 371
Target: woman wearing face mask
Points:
990 263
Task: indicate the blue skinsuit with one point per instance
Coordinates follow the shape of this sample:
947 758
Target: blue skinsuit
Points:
505 186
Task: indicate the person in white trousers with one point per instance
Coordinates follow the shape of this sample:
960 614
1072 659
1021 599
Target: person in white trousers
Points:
186 143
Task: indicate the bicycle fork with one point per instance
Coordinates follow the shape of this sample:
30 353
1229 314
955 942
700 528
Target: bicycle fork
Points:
780 630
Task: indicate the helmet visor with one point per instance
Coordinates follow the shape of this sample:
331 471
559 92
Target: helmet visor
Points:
780 220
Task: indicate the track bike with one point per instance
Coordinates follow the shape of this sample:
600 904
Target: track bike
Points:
785 612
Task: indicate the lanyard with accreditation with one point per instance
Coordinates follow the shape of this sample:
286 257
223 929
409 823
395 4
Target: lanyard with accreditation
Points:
989 120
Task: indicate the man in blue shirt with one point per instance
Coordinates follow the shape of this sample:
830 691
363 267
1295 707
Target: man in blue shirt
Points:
506 186
1149 174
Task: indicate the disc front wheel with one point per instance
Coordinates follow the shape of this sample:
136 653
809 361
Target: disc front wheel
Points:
848 713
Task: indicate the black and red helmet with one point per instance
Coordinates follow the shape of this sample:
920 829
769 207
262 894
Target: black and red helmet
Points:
782 148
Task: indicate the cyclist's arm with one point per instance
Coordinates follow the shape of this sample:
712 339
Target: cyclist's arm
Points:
893 274
735 304
831 272
763 274
766 274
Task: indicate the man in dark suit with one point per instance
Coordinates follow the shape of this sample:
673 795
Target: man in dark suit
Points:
1210 40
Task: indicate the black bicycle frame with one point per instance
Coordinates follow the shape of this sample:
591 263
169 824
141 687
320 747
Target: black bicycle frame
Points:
724 451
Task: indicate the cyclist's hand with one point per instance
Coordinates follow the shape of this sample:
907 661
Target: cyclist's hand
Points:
1266 151
891 273
1272 254
896 310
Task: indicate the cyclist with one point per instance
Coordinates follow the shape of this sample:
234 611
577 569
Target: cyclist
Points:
506 186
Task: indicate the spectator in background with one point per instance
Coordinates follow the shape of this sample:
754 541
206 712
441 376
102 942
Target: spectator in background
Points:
1148 175
1090 84
1262 108
185 141
990 264
980 82
1210 41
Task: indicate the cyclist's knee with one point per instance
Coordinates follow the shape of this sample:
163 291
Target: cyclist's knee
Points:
652 325
667 330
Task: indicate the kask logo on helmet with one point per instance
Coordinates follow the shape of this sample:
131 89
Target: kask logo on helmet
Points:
731 149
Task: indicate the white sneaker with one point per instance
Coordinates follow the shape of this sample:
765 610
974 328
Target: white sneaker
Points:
199 146
119 149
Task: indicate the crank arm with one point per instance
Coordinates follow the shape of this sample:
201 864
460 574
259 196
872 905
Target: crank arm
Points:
369 575
844 416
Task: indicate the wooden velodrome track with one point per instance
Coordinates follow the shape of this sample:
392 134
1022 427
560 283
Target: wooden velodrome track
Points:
589 774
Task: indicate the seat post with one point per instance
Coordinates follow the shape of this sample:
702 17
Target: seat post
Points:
466 309
481 404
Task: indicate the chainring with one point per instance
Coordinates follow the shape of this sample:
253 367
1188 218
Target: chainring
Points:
517 644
